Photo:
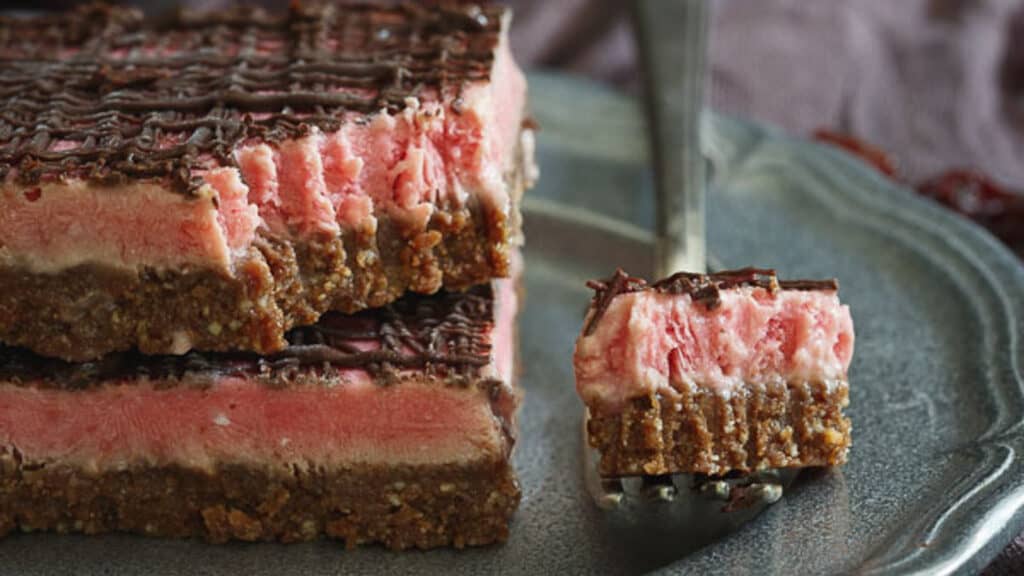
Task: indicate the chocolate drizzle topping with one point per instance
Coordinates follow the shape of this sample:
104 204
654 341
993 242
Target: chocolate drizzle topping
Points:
100 94
446 335
702 288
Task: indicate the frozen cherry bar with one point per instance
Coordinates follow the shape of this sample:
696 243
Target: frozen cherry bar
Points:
211 181
729 372
393 425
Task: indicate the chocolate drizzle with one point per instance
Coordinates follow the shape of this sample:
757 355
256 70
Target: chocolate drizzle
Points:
446 335
702 288
98 93
606 290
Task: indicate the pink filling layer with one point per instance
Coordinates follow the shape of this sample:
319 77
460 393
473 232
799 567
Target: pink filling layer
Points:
402 165
648 341
52 227
235 420
243 422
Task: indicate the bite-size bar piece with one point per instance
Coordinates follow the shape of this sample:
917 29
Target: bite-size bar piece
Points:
394 425
211 181
729 372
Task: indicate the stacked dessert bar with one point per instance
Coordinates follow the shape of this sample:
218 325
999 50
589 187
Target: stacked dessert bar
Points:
256 273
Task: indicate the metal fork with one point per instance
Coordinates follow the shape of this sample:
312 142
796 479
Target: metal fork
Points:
672 40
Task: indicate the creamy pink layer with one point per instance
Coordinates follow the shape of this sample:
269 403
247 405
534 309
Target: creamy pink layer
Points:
648 341
236 421
403 166
62 224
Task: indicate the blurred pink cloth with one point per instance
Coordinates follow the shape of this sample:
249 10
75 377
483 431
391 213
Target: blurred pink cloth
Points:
936 83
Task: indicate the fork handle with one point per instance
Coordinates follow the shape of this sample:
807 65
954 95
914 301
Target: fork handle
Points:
672 42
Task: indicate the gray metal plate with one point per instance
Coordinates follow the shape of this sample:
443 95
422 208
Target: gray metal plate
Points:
934 479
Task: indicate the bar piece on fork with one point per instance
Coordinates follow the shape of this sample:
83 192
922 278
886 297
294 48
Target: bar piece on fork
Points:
733 372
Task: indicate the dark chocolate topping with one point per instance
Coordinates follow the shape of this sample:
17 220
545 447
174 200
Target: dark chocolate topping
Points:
446 335
702 288
98 93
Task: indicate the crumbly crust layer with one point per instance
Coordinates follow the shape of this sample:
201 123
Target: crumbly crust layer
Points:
399 507
779 425
88 311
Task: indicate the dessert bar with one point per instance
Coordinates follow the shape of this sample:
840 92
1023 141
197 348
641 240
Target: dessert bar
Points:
393 425
729 372
212 180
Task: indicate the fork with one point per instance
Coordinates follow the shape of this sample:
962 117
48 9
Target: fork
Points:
672 41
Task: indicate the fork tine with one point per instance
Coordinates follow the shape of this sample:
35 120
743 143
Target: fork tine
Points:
632 486
716 489
659 488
